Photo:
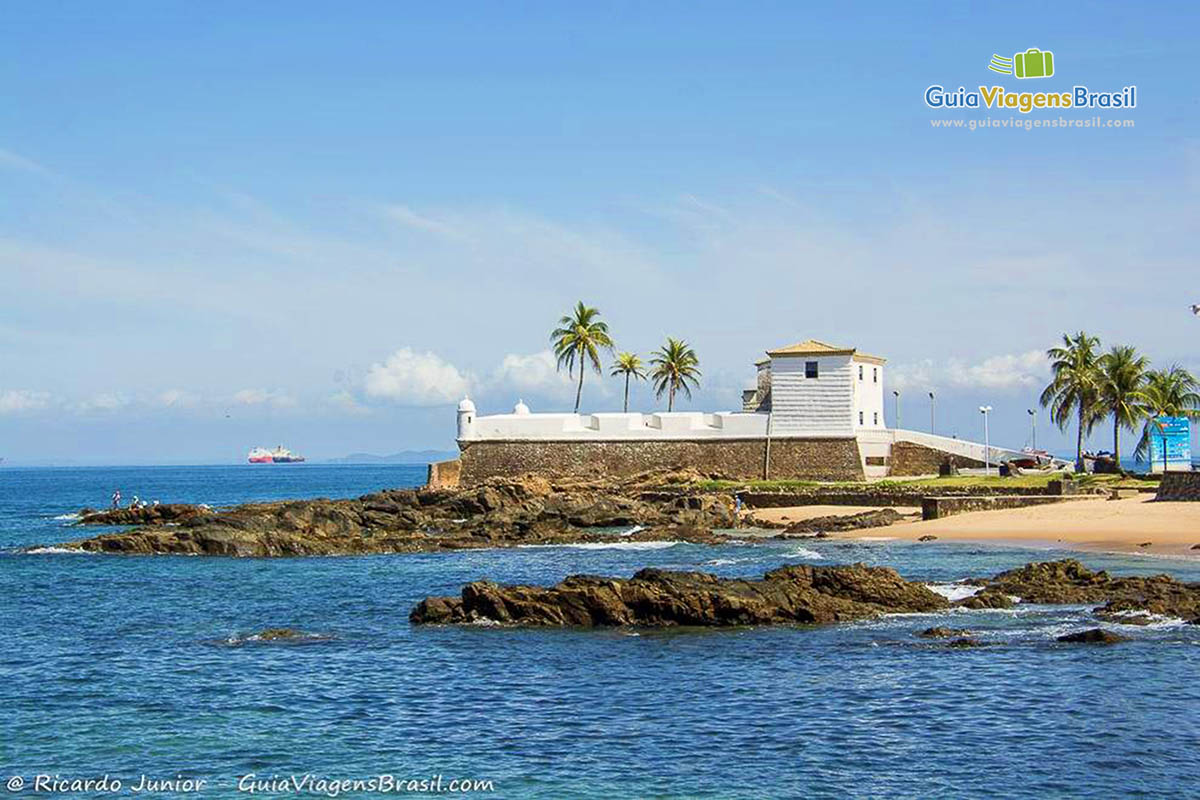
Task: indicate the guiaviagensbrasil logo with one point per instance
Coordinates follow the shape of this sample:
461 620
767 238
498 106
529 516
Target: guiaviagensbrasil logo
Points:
1033 63
1030 63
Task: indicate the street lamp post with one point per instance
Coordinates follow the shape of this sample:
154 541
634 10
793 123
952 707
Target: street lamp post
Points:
1032 428
987 446
896 394
931 401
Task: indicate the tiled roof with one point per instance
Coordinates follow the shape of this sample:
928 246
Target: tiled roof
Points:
813 347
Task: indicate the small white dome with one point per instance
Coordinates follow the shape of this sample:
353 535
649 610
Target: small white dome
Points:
466 405
521 409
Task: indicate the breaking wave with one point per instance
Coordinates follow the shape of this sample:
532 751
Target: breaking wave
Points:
51 550
803 552
953 591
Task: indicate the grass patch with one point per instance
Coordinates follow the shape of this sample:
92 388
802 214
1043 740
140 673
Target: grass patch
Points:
955 482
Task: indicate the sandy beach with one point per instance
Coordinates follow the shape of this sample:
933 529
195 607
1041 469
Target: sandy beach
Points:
1123 526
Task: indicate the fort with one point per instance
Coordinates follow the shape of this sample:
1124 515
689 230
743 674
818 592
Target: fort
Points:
815 412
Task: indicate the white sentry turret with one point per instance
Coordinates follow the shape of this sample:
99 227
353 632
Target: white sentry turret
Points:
466 419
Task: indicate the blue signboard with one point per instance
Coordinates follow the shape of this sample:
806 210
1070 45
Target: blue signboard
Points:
1172 435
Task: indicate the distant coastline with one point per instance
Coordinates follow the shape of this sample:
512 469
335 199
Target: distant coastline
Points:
403 457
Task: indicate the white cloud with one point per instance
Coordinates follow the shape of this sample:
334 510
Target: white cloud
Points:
1010 371
259 397
13 401
531 374
418 379
175 398
406 216
105 401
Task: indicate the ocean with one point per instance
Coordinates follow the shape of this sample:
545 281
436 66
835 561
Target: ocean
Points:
126 666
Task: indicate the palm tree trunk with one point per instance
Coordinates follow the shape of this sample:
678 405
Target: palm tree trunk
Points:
671 398
579 389
1079 441
626 392
1117 442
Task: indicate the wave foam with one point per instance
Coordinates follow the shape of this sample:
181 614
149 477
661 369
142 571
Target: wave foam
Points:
953 591
803 552
614 545
623 545
51 550
67 517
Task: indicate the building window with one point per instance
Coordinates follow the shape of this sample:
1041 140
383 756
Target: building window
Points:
876 417
860 418
860 372
810 369
874 374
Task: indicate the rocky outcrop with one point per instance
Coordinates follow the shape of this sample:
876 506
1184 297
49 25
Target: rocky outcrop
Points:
1093 636
500 513
655 597
795 595
845 522
274 636
163 514
1070 582
940 632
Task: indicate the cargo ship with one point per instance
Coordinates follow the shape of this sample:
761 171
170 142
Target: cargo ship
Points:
280 455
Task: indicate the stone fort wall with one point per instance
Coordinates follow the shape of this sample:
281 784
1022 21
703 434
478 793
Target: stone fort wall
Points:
909 458
1179 486
739 459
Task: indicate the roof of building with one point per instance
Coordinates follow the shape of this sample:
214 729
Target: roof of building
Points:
813 347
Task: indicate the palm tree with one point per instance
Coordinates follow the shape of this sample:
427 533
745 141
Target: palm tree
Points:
1075 386
580 336
1122 375
1173 392
631 366
676 368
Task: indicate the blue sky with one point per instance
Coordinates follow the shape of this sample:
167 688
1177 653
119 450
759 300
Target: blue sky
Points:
225 224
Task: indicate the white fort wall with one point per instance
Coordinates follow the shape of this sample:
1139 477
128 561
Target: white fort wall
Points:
819 407
613 427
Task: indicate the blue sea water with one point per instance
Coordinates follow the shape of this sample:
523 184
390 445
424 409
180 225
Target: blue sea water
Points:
129 666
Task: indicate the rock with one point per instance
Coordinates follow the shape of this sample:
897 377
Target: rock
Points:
162 514
1145 544
500 513
1093 636
1196 547
846 522
658 598
275 635
1068 581
987 599
271 634
965 642
929 537
1065 581
943 633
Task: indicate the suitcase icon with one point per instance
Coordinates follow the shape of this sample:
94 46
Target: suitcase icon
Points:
1034 63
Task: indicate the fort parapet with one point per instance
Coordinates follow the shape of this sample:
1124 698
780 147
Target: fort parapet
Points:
815 413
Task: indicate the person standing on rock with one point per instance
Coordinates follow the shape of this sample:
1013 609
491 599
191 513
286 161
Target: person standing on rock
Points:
116 498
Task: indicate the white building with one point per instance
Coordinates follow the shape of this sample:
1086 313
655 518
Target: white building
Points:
819 389
810 397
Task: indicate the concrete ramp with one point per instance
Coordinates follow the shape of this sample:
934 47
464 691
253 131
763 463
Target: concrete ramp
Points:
973 451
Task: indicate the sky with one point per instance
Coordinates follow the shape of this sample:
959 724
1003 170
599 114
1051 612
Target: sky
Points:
225 224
